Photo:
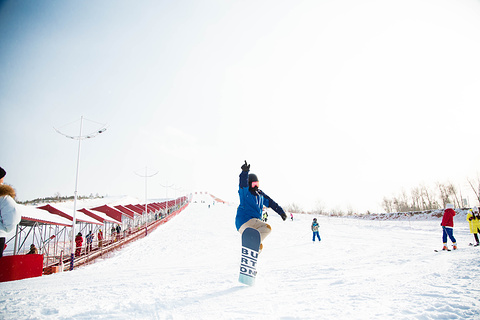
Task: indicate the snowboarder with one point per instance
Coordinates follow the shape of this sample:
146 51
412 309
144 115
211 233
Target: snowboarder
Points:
447 226
291 216
315 230
473 218
252 200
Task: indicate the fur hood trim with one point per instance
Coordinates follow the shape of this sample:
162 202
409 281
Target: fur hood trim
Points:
7 190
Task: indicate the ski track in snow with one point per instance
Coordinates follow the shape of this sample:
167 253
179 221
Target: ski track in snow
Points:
188 269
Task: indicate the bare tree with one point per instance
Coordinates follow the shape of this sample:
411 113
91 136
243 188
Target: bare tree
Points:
387 205
319 207
452 190
416 196
475 185
401 203
420 198
448 194
337 212
293 207
428 198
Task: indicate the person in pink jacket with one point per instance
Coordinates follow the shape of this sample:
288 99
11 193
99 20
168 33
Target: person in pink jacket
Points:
447 226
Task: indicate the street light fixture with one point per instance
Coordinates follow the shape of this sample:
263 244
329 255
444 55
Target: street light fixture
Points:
146 175
79 138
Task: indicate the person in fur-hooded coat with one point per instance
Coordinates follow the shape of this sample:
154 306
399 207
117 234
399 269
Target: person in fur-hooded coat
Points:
9 215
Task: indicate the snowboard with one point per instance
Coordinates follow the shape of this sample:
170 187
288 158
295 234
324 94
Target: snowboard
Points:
248 264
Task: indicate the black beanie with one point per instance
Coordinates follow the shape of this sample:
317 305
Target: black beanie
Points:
2 173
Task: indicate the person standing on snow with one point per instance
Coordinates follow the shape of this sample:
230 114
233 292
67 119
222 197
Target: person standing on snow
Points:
447 226
252 200
9 215
315 230
473 219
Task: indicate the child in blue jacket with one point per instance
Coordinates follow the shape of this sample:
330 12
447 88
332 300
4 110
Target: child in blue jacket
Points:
314 228
252 200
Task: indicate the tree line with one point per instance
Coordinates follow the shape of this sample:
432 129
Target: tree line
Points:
424 198
420 198
58 198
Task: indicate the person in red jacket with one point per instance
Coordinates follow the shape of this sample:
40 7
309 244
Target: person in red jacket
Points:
100 238
78 243
447 226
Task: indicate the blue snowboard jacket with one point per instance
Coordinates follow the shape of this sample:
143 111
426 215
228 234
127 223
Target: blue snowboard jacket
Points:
251 204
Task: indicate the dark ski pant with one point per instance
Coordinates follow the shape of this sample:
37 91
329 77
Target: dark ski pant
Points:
315 233
448 232
2 246
475 235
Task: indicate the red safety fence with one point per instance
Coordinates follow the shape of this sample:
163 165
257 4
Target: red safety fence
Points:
100 249
49 227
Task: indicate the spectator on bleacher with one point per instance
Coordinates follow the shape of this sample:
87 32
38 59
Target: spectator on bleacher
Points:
78 243
100 238
119 229
9 215
89 239
33 249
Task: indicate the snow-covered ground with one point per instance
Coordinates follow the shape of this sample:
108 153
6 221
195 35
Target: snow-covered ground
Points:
188 269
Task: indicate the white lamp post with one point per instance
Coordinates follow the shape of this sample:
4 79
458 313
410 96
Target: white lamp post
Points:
79 138
146 207
166 196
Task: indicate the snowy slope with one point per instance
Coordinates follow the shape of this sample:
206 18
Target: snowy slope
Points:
188 269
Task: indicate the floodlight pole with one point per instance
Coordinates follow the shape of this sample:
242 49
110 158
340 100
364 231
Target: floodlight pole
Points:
75 195
175 189
166 196
146 206
74 220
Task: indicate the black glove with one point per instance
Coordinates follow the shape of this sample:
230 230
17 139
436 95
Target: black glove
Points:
246 166
284 216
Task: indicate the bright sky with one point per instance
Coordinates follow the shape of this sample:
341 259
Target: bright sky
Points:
339 102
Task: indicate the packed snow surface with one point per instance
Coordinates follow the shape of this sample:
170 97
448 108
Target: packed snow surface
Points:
188 269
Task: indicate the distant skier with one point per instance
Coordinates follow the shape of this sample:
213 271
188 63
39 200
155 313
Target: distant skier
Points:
291 216
473 218
265 216
315 230
447 226
252 200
